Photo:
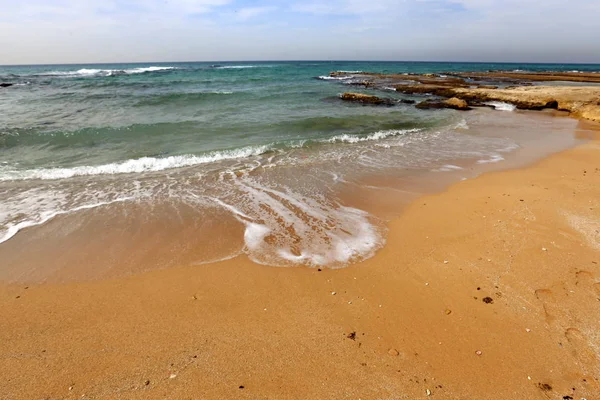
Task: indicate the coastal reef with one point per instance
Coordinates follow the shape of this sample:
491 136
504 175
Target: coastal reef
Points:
466 90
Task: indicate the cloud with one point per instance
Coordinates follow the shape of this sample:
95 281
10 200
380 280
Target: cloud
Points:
56 31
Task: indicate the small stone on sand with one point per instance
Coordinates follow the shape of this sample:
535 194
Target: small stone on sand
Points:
393 352
173 376
478 352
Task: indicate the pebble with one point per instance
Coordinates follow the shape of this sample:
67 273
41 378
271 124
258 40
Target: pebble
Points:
147 382
428 392
333 293
173 376
527 330
544 249
448 312
478 352
349 302
393 352
445 261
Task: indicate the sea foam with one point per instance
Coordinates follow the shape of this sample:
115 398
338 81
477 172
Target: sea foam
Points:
346 138
144 164
86 72
501 106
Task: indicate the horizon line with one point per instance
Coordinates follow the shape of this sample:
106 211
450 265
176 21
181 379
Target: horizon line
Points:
303 60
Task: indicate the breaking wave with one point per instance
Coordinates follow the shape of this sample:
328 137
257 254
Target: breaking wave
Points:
86 72
144 164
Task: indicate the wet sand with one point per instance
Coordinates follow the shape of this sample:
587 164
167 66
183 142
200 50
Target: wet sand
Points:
489 290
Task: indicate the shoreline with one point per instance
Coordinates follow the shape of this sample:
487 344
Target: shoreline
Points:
411 320
149 243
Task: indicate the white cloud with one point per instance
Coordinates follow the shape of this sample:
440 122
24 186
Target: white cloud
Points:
56 31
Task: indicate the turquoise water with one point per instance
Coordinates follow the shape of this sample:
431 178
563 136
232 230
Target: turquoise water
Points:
232 136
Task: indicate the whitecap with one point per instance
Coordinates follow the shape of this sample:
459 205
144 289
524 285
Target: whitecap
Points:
346 138
144 164
501 106
334 78
87 72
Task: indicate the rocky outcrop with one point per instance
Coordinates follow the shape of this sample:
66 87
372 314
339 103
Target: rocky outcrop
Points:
6 84
452 103
366 99
581 101
521 77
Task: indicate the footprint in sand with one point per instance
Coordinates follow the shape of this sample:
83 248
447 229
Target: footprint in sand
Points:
580 347
548 302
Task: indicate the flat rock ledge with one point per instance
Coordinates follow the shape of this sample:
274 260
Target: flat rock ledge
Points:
452 103
366 99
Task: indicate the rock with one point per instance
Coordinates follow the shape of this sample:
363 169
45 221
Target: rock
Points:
457 104
342 73
366 99
488 300
478 352
147 382
406 101
452 103
6 84
448 311
393 352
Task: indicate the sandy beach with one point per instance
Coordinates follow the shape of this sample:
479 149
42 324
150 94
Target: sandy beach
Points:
489 290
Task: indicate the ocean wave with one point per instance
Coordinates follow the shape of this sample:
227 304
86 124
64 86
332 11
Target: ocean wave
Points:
144 164
346 138
86 72
501 106
242 66
334 78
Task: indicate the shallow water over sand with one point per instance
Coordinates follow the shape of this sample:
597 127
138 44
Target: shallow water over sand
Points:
321 207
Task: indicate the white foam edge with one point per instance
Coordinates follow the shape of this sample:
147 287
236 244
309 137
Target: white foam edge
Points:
501 106
494 159
144 164
346 138
12 230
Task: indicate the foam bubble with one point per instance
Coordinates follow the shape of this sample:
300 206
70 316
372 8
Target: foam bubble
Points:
286 228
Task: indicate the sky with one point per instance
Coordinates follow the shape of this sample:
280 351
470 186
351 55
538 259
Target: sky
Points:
102 31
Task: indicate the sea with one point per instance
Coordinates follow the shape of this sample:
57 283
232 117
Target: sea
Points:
141 166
